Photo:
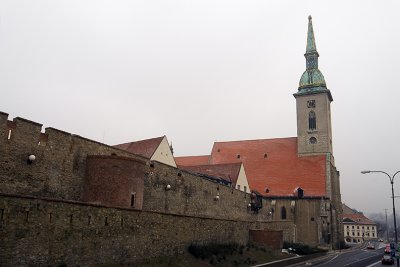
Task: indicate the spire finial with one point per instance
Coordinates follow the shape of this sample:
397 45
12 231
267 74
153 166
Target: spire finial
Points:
311 46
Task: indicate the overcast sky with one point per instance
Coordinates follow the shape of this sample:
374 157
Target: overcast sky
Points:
205 71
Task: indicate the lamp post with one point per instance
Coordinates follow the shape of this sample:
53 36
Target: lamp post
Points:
387 227
391 178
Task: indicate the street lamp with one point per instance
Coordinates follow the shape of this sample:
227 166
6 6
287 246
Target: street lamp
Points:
391 178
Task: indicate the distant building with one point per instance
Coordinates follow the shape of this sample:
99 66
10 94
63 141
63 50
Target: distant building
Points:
156 149
357 228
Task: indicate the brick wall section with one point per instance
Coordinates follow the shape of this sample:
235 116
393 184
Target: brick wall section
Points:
60 166
193 195
46 232
308 221
114 181
272 239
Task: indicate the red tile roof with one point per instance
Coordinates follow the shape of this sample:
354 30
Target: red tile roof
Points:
274 164
228 172
358 218
192 160
145 148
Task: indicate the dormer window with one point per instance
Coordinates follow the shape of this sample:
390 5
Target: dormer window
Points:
299 192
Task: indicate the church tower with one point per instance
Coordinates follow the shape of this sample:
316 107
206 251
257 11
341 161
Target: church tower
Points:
313 104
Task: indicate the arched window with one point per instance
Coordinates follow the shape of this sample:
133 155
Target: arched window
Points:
312 120
283 213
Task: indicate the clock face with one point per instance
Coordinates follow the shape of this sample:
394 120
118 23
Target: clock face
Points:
313 140
311 103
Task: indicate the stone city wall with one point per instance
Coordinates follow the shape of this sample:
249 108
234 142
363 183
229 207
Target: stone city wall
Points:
60 165
42 232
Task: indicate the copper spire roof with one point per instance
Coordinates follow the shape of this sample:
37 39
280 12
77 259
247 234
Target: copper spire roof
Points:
311 46
312 81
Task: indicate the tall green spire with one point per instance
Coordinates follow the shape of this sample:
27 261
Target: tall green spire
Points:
311 47
312 81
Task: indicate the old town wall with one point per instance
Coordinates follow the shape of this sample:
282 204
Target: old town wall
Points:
44 232
59 168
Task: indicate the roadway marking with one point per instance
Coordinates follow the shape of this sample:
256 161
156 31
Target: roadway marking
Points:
373 264
333 258
356 260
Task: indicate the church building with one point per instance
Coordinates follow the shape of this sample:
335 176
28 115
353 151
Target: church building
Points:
294 167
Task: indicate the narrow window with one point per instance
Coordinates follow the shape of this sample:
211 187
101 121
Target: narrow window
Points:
283 213
50 217
245 188
133 199
238 186
312 121
9 134
89 221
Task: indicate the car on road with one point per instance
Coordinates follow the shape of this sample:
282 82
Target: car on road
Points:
370 246
387 249
380 240
387 259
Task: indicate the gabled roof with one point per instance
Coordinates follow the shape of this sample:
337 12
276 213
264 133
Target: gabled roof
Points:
192 160
145 148
228 172
274 164
347 209
357 218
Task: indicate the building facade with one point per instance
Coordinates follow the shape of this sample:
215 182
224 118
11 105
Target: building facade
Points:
357 228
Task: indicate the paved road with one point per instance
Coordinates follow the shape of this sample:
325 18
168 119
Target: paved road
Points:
353 258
